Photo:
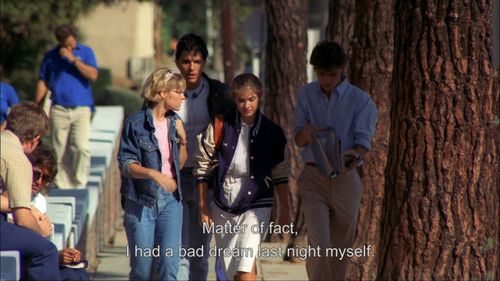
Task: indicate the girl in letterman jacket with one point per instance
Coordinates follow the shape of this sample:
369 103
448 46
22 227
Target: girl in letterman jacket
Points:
250 163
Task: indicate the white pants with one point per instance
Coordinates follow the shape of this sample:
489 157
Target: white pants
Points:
246 244
70 130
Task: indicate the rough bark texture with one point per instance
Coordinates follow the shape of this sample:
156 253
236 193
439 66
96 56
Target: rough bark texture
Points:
442 196
158 41
496 91
227 41
371 70
341 20
285 68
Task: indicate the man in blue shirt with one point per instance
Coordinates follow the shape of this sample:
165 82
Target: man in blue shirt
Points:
67 71
330 205
8 98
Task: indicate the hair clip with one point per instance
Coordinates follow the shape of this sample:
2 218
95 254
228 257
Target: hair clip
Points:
169 75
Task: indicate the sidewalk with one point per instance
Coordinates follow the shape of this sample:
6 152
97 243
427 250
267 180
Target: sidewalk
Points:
114 264
270 268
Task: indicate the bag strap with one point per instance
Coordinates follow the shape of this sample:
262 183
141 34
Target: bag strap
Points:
219 123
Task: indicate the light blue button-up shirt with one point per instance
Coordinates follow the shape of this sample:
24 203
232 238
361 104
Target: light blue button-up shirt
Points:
349 112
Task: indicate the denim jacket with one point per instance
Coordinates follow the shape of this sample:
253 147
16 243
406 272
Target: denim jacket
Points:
138 144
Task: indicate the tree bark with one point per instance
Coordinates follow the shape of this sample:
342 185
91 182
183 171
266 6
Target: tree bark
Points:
158 40
442 193
370 68
341 20
285 69
227 41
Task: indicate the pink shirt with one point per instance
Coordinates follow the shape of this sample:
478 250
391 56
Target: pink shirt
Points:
161 134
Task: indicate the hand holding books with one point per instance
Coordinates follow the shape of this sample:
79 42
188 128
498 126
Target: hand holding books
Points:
331 162
327 156
352 159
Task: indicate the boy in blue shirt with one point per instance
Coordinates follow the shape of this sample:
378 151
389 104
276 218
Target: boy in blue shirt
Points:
331 204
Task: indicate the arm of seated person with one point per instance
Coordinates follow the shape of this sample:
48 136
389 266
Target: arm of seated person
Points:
4 203
23 217
37 214
45 224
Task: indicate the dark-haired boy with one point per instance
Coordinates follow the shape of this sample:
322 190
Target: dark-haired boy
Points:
330 205
205 98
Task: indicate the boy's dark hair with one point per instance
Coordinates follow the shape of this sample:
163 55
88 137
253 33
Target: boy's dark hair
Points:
191 43
64 31
27 121
327 55
44 157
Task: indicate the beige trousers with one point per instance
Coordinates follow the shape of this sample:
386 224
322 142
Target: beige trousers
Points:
330 208
70 130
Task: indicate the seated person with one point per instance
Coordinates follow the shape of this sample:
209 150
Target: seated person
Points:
44 171
26 124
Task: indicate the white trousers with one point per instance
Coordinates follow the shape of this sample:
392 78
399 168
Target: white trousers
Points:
70 130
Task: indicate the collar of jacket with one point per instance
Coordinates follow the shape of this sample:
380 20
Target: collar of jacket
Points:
149 116
256 124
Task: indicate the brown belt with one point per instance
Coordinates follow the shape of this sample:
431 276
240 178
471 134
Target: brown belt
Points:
312 164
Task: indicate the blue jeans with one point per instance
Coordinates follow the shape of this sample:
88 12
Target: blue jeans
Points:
193 268
39 253
154 237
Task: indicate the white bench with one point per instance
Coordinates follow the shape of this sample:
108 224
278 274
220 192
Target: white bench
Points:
61 215
10 266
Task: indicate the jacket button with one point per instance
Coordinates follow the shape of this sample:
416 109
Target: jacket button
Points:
251 177
251 157
251 141
249 193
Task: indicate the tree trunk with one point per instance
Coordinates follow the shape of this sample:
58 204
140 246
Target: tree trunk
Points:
442 193
227 41
341 20
158 40
371 70
285 69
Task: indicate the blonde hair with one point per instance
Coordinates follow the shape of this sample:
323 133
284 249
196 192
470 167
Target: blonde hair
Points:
160 80
246 80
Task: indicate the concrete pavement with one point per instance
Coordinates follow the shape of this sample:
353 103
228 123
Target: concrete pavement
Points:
114 263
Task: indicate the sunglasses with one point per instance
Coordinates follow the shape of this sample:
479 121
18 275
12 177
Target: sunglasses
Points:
45 178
